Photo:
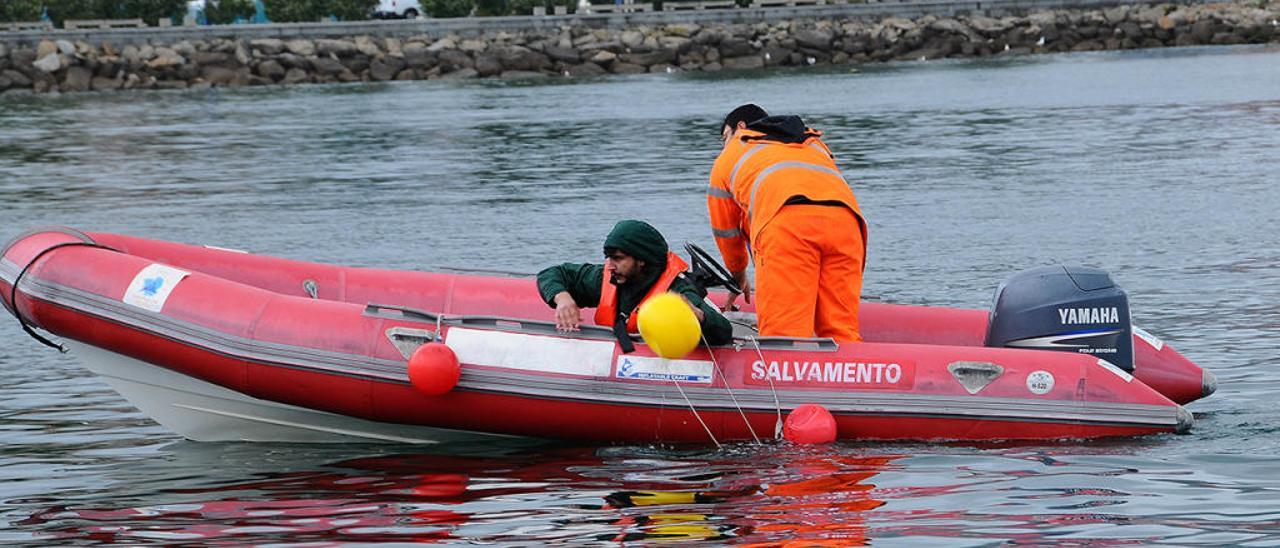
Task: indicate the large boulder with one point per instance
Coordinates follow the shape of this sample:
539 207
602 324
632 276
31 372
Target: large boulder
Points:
452 60
563 55
18 79
386 68
585 69
685 30
341 48
488 65
1202 31
522 58
367 46
77 79
775 55
990 27
304 48
735 47
204 58
604 57
271 69
816 38
45 48
267 46
224 76
442 44
49 63
327 66
1116 15
165 57
679 44
656 57
394 47
291 61
951 26
356 64
632 39
743 62
473 45
295 76
460 74
417 55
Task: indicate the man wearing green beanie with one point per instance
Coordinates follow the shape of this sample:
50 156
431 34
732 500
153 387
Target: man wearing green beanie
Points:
637 266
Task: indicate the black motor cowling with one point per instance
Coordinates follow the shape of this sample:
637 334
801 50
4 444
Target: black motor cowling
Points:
1066 308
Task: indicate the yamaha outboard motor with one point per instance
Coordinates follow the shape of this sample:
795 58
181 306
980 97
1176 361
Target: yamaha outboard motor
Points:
1068 308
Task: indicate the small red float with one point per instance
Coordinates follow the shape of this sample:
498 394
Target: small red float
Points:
434 369
809 423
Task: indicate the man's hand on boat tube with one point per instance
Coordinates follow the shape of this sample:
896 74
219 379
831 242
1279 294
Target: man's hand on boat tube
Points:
745 283
568 316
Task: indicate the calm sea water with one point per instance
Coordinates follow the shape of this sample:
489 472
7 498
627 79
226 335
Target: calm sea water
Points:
1160 167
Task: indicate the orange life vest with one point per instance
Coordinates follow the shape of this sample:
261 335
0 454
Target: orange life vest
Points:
607 311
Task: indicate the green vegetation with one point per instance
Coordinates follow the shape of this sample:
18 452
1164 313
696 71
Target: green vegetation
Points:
61 10
20 10
302 11
227 11
448 8
280 11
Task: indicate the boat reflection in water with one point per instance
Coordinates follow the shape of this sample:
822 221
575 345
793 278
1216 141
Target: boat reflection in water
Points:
822 502
577 495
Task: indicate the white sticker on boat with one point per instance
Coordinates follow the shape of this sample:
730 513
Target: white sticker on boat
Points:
1119 372
1152 340
1040 382
152 286
544 354
658 369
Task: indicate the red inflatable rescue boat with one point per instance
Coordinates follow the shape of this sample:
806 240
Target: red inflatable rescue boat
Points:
217 344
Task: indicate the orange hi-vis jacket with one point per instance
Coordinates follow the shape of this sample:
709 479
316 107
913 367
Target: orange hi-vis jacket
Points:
754 177
607 310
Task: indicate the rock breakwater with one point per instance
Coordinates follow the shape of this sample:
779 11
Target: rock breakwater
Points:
576 51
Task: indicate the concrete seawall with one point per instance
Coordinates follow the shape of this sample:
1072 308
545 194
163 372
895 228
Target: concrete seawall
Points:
585 45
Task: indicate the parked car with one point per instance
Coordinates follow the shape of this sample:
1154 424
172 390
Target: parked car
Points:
398 9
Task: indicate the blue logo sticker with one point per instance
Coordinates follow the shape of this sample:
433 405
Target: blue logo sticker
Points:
655 369
151 285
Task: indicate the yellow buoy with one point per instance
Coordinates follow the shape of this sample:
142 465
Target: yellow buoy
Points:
669 326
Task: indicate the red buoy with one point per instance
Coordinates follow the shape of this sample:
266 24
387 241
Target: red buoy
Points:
809 423
434 369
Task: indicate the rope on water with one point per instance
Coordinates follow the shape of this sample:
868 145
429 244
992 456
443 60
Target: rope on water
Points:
695 412
728 389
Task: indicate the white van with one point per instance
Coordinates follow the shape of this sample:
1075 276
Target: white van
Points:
398 9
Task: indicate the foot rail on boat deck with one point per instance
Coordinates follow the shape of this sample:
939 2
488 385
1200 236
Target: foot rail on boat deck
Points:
540 327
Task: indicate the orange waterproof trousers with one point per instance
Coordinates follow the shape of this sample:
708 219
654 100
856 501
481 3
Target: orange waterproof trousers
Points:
809 273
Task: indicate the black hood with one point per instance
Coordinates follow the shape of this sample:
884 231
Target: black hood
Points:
787 129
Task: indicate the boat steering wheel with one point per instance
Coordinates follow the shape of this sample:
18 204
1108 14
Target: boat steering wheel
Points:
707 271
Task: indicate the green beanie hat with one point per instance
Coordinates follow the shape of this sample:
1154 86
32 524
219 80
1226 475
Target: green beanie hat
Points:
638 239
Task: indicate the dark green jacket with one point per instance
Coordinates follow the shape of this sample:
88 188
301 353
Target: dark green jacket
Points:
582 281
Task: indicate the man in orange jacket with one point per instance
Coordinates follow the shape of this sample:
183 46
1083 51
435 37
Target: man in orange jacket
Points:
775 188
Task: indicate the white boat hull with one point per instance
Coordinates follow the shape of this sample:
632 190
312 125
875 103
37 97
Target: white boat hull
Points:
203 411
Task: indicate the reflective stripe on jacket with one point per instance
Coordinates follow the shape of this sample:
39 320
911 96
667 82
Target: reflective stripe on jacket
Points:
607 311
754 177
